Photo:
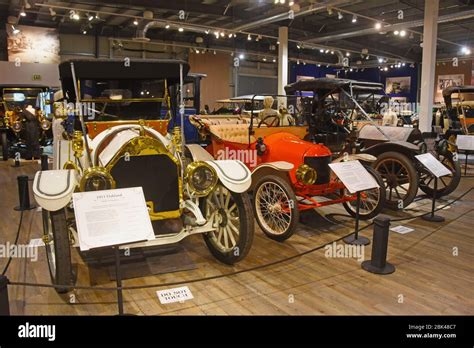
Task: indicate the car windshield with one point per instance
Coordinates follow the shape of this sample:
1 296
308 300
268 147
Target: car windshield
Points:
124 99
20 97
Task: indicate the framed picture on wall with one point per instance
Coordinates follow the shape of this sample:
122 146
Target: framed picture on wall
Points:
395 85
447 81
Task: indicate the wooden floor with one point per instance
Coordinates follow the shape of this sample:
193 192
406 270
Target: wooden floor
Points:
429 279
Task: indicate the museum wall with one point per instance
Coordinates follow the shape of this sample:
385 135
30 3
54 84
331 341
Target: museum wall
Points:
448 73
218 82
29 74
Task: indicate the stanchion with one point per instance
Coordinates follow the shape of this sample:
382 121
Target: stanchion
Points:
431 216
4 303
355 239
378 264
118 279
16 161
44 162
23 194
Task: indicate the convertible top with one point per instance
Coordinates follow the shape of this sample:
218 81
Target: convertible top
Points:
328 84
115 69
447 92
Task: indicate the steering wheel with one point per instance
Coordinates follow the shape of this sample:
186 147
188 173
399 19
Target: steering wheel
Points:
274 123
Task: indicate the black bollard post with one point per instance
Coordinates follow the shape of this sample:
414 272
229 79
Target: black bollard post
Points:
23 194
378 264
4 303
44 162
355 239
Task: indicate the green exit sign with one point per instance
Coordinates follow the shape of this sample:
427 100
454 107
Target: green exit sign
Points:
36 77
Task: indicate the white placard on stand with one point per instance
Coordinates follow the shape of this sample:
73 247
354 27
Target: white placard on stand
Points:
112 217
433 165
465 142
354 176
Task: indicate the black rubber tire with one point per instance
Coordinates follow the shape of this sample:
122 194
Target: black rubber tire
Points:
455 168
246 230
63 274
295 214
381 203
4 140
412 178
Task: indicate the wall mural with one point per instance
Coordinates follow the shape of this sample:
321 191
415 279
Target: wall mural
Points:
33 45
396 85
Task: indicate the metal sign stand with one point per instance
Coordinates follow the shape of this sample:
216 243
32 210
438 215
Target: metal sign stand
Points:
431 216
354 238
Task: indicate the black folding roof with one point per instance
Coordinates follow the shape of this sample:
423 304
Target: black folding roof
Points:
447 92
117 69
328 84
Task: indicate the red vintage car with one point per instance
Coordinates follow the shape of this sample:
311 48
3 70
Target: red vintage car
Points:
289 174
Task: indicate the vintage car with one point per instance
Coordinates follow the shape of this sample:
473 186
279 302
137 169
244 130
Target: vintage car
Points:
113 137
289 174
329 111
24 123
457 116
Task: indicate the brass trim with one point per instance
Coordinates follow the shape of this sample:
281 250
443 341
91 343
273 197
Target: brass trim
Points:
306 175
96 171
148 146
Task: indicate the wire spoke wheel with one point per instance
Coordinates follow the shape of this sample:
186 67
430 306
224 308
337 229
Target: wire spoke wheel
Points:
275 207
400 178
231 217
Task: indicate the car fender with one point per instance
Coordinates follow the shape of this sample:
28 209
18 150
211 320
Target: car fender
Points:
406 148
233 174
198 153
53 189
363 157
278 168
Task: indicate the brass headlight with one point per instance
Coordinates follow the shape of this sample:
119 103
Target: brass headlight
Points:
96 179
306 175
17 126
45 124
201 178
77 144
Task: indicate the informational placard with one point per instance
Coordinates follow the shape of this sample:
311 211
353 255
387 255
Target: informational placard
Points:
465 142
431 163
180 294
354 176
111 217
402 229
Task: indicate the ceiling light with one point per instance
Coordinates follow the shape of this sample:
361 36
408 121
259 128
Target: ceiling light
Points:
207 31
354 19
282 1
75 16
84 31
291 3
167 26
465 50
321 50
97 15
197 51
348 54
304 63
27 4
22 12
276 2
135 22
298 46
403 64
396 32
52 12
319 65
215 52
378 26
274 60
15 30
340 16
385 69
403 33
181 29
298 62
332 52
350 69
222 34
90 17
278 42
235 35
391 66
329 11
264 59
241 56
230 35
327 51
380 60
249 37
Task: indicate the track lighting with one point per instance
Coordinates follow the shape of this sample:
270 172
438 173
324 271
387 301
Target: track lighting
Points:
348 54
274 60
403 33
15 30
27 4
291 3
466 50
264 59
207 31
230 35
378 25
249 37
52 12
222 34
321 50
340 16
327 51
89 17
135 22
241 56
22 12
354 19
396 32
181 29
380 60
167 26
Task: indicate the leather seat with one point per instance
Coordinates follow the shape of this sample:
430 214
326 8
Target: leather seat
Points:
235 133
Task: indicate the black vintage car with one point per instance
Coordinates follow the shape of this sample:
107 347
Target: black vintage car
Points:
331 107
458 115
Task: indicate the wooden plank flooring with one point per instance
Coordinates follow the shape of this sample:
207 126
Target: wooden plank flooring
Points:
428 276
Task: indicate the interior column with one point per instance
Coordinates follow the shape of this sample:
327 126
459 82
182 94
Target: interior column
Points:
430 33
282 62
